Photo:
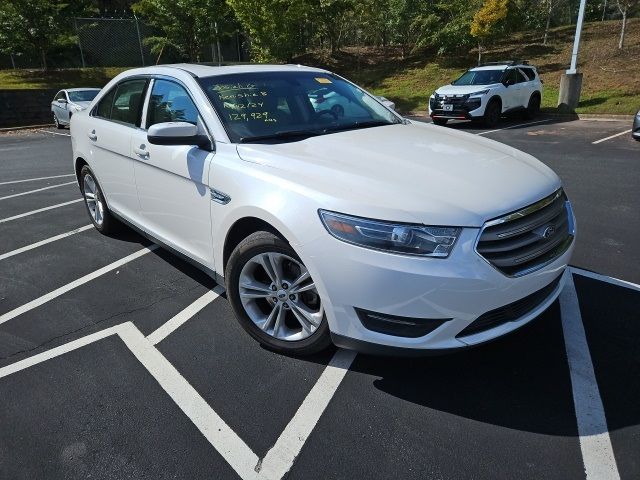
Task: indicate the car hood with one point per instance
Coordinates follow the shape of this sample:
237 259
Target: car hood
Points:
463 89
416 173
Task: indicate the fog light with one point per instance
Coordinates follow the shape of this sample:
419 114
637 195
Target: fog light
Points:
398 326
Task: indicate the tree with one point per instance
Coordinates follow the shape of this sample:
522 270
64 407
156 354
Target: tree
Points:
275 26
549 7
625 6
486 21
37 25
186 25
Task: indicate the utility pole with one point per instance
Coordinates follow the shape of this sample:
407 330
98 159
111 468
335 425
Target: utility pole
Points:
571 81
139 39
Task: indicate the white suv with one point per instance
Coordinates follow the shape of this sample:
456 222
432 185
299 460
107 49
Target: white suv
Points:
487 92
360 228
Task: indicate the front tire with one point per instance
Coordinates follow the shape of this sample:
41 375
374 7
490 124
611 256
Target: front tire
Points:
274 297
492 114
97 208
57 123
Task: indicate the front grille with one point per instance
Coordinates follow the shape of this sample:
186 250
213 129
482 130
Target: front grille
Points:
511 312
528 239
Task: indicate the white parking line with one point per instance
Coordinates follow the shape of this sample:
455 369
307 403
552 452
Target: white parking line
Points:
36 190
54 133
234 450
174 323
57 351
606 279
280 458
33 212
36 179
610 137
76 283
595 443
44 242
515 126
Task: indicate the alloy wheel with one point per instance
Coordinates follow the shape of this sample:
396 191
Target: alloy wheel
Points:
93 199
280 297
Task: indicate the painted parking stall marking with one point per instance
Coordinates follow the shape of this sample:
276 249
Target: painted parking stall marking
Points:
11 182
36 190
610 137
76 283
44 242
40 210
595 443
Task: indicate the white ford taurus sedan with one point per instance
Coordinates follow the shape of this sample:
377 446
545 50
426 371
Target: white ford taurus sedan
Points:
357 227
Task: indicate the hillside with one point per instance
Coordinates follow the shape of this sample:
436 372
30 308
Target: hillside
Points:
611 78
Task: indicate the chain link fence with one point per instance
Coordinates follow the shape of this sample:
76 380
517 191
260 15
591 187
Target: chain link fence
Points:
120 42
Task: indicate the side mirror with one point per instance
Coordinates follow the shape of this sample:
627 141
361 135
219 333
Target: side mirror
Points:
62 100
387 103
177 133
508 82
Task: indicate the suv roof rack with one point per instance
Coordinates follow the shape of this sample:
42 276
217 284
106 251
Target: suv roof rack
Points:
509 63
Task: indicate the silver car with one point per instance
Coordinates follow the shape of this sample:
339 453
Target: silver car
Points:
70 100
636 127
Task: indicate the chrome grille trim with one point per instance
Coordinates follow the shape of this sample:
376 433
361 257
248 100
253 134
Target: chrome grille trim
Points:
501 244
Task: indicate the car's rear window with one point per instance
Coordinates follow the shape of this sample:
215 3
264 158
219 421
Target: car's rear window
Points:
258 104
83 95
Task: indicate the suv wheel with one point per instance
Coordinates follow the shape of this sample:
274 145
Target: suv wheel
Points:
440 121
492 114
274 297
533 107
99 213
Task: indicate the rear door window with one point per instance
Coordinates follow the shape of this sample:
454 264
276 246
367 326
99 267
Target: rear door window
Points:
103 110
127 102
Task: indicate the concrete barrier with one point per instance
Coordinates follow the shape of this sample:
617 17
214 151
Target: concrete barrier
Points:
25 107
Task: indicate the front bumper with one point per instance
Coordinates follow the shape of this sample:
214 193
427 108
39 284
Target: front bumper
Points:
462 109
459 289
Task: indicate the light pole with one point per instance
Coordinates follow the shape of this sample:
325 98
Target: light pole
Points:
571 81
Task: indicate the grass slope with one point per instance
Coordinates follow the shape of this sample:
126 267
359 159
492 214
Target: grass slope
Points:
611 82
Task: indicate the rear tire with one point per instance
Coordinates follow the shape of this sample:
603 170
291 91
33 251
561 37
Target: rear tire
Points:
440 121
533 107
492 114
267 300
97 208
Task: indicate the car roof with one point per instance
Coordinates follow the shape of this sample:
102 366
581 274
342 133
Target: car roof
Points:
500 67
200 70
81 89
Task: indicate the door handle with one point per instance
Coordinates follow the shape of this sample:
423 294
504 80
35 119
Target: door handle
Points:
141 151
92 135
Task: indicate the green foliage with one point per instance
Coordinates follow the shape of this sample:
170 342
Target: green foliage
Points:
38 25
275 27
186 25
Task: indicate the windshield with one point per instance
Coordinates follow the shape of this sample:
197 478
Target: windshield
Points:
285 105
479 77
83 95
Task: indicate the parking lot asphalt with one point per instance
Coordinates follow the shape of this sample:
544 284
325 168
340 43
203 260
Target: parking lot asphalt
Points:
119 360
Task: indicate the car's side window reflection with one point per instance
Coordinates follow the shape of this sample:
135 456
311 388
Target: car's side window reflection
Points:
170 102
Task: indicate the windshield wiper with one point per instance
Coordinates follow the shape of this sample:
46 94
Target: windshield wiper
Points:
356 125
282 135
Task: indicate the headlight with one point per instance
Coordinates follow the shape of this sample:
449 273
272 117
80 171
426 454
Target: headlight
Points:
480 93
391 237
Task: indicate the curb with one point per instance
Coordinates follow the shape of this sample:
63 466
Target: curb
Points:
602 117
27 127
